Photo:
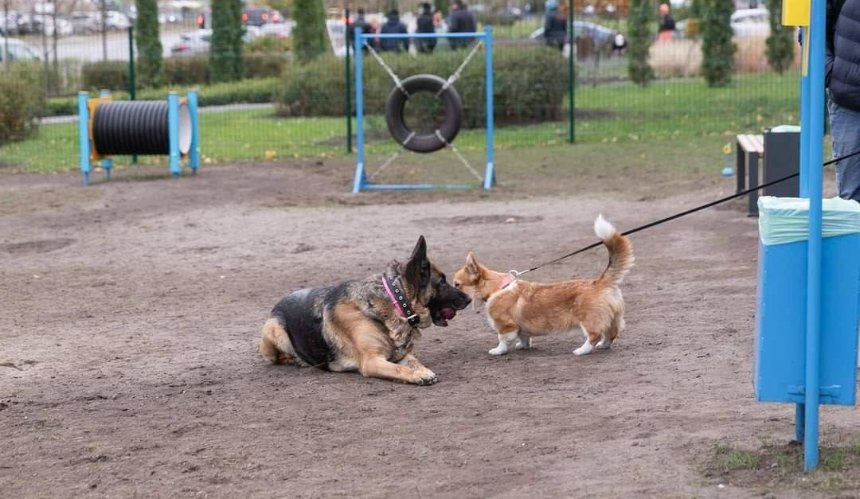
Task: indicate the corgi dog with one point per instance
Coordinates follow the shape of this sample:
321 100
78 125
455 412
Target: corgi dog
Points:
518 309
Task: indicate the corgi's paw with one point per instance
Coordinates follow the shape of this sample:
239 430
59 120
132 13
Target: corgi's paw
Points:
499 350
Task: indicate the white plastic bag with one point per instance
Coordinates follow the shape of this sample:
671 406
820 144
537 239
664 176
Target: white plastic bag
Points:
786 220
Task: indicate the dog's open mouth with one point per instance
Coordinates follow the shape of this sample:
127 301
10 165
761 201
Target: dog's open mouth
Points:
443 315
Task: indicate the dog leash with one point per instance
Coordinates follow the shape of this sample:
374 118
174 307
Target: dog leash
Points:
516 274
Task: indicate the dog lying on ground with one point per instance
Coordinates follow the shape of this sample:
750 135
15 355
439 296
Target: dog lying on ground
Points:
518 309
367 325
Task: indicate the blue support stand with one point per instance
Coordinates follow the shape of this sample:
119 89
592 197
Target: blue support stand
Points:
360 181
194 152
84 136
173 133
107 163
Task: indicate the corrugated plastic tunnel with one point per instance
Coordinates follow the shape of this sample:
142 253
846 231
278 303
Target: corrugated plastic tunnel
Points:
138 127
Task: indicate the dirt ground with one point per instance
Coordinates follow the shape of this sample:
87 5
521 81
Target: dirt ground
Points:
131 311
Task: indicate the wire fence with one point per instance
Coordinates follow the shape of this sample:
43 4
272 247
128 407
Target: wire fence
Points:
258 119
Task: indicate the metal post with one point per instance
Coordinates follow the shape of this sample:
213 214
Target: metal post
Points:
348 111
490 174
359 114
132 84
107 163
84 135
814 129
194 151
571 77
173 132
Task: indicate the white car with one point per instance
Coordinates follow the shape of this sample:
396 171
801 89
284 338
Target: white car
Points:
750 23
14 49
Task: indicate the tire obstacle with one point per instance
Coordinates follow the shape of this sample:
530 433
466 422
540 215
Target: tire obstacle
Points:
146 128
443 136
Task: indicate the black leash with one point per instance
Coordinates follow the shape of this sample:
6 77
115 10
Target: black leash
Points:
683 213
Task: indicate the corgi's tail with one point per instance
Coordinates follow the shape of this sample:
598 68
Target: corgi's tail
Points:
620 251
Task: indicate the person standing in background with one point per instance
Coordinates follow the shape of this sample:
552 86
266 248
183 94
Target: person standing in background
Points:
666 30
424 24
842 81
393 25
462 21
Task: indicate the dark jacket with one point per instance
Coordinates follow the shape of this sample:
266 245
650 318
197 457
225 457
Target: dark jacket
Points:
361 24
425 25
555 29
842 59
393 25
461 21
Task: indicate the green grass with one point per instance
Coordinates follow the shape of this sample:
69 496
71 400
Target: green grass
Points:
664 112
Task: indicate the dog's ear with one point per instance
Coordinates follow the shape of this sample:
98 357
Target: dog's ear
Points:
417 270
472 264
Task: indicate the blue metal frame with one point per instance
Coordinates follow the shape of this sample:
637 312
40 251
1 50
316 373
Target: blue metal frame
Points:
173 133
107 163
360 183
194 152
812 132
84 135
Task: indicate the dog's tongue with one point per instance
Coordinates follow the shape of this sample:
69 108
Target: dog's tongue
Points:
448 313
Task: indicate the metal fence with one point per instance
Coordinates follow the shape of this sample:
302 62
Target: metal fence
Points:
607 107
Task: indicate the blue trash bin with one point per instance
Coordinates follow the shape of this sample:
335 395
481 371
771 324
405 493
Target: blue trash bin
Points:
780 339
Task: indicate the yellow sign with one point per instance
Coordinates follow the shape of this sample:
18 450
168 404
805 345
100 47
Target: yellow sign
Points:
795 12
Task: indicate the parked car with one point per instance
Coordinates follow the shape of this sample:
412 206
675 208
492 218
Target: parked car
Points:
750 22
277 30
261 16
13 49
36 24
250 17
85 22
605 40
192 42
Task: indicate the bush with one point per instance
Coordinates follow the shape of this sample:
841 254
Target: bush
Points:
529 85
183 71
264 65
21 101
111 75
247 91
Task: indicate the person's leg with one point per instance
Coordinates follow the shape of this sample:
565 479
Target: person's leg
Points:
845 134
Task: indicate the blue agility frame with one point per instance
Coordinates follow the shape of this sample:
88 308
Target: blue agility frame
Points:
88 153
361 183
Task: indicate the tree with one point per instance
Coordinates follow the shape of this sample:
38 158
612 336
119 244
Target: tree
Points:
780 42
310 38
638 27
149 60
718 49
225 52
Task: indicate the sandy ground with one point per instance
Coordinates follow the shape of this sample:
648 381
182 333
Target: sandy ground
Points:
131 311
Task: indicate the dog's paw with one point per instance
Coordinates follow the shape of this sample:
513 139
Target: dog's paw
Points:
498 351
523 345
426 379
583 350
602 345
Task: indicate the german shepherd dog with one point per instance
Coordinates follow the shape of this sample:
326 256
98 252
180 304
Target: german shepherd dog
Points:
518 309
367 325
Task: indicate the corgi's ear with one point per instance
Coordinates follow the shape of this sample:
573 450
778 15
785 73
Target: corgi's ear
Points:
418 267
472 264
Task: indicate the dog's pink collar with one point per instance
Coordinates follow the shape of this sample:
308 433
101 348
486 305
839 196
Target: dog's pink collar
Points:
507 281
399 300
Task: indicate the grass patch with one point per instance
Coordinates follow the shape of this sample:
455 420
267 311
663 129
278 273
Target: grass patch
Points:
775 468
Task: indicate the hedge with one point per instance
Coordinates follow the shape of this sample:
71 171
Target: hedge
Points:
530 84
248 91
180 71
21 101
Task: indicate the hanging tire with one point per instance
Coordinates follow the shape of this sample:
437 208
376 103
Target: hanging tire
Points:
425 142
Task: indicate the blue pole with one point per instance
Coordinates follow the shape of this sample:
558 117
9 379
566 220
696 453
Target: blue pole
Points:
194 152
815 122
173 132
84 135
804 112
490 174
359 113
107 163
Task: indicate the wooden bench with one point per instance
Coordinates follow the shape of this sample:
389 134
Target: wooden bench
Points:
750 149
